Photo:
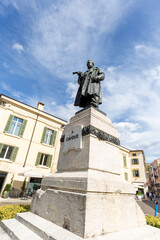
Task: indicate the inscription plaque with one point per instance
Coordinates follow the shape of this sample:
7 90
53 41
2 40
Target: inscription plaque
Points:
73 139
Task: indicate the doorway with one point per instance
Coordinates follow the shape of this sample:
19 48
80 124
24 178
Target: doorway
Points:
2 178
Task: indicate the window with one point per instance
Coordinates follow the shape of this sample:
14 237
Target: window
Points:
134 154
124 161
44 159
135 173
126 176
49 136
8 152
135 161
15 126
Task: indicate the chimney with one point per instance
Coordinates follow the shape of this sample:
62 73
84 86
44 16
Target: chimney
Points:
40 106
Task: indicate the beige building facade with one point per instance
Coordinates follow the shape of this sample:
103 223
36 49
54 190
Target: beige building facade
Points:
134 168
29 143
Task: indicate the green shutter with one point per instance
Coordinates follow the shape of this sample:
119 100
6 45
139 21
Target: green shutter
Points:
38 158
53 138
49 161
14 154
43 135
124 161
1 146
7 127
21 131
126 176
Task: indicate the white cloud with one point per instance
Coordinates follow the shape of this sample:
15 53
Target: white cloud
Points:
132 100
6 87
6 3
72 90
5 65
146 51
15 5
17 47
63 35
63 111
129 126
53 103
66 35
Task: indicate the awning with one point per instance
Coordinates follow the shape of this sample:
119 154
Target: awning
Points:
32 174
138 185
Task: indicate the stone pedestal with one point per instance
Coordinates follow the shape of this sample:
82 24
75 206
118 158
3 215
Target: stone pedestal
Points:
88 195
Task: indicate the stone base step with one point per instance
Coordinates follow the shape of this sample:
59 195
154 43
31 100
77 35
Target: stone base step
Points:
4 235
44 228
139 233
17 231
50 231
29 226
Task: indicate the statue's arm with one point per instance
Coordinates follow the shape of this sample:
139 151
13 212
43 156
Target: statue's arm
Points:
100 76
80 76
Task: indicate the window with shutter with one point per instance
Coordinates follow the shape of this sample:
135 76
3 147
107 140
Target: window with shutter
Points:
15 126
134 161
135 173
124 161
14 154
9 122
48 136
1 146
53 140
44 160
8 152
126 176
49 161
23 126
43 135
38 158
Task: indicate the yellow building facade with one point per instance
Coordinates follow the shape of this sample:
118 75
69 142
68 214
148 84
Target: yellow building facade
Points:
133 162
29 142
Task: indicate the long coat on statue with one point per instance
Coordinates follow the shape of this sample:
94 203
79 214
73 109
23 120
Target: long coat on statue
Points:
88 86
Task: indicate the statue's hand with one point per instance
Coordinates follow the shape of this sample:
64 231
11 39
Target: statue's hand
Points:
95 80
78 73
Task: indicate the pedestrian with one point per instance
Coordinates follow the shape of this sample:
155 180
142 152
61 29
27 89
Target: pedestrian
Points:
150 196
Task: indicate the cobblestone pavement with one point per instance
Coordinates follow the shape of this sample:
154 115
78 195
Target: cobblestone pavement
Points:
148 207
8 201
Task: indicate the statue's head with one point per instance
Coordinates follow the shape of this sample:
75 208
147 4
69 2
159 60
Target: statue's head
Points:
90 64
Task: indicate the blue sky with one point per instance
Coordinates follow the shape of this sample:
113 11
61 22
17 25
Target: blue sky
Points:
42 42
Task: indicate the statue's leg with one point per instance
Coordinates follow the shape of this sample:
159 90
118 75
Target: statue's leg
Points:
88 100
94 100
83 101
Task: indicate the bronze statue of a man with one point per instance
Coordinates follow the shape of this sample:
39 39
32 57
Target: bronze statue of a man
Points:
89 92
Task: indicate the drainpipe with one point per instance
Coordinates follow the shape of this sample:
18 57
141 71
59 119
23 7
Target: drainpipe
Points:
31 140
